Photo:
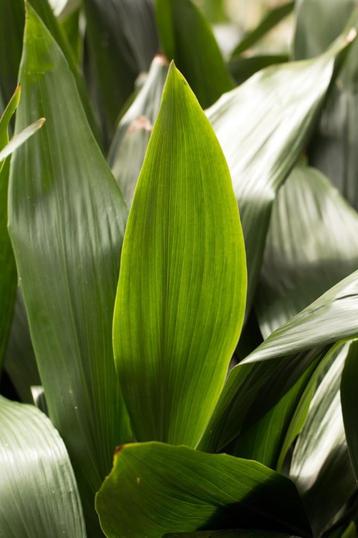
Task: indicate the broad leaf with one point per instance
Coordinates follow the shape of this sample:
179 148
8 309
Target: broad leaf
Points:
320 465
199 57
311 245
182 285
333 148
270 20
130 141
262 127
216 491
38 493
349 407
66 218
122 42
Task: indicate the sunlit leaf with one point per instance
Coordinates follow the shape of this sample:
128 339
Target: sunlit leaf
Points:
66 218
216 491
199 57
38 492
182 285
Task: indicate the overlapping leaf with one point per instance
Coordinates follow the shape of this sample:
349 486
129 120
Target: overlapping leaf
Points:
199 57
130 141
349 408
182 285
262 127
38 493
155 489
311 245
67 218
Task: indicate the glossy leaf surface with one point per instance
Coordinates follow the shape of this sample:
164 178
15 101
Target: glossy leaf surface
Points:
130 141
214 490
262 127
67 218
199 57
311 245
182 285
38 493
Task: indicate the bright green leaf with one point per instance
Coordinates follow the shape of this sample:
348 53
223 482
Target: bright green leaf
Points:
155 489
67 218
199 57
38 494
182 285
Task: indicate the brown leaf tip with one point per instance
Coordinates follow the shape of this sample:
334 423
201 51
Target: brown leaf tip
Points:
161 59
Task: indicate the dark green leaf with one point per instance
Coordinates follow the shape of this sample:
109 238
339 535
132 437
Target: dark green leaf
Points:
349 406
182 285
243 68
66 218
270 20
199 57
130 141
38 494
122 42
311 245
11 27
230 534
181 490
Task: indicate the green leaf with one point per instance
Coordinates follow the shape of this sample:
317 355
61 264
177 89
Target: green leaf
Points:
262 127
122 40
8 276
271 19
332 149
216 491
199 57
320 465
300 265
130 141
176 323
66 222
348 398
11 27
38 494
243 68
230 534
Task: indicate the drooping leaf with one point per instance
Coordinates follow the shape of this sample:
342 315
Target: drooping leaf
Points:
130 141
311 245
332 149
38 493
182 285
199 57
66 221
262 127
320 465
349 406
243 68
271 19
216 491
122 41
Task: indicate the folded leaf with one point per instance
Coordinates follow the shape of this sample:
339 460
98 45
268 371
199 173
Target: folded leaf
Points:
349 407
130 141
38 493
66 218
181 490
311 245
182 285
262 127
199 58
320 464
